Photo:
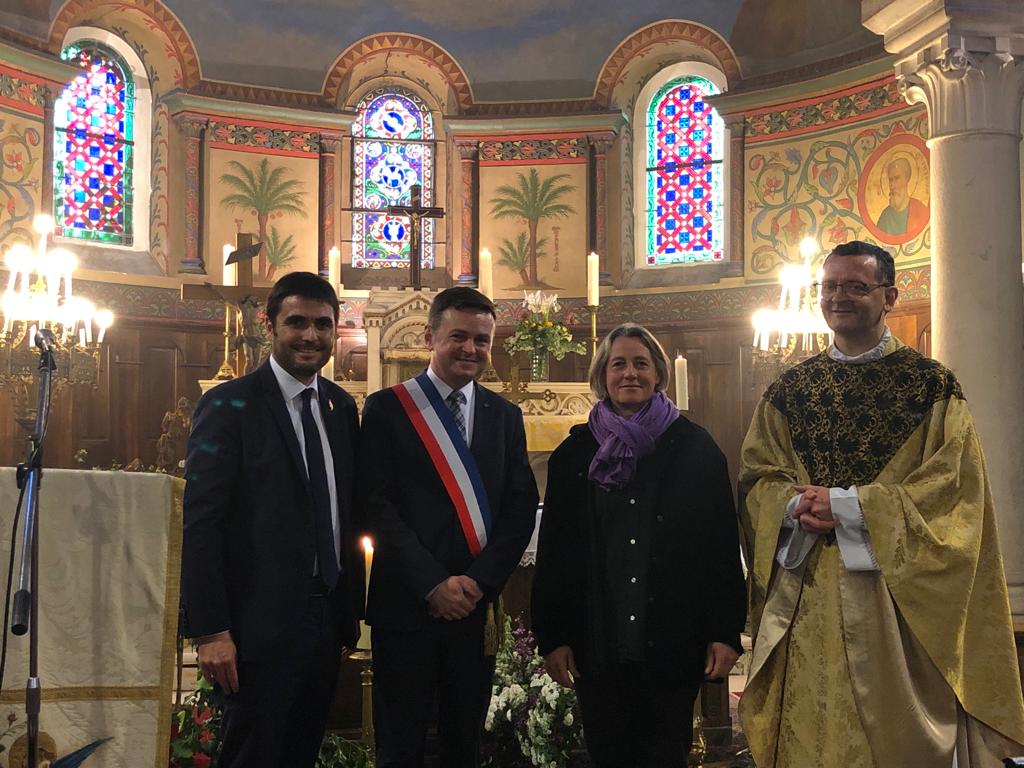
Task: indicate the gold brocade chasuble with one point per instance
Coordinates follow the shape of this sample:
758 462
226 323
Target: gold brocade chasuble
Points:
889 668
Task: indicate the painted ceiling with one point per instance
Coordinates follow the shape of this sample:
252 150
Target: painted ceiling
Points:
510 49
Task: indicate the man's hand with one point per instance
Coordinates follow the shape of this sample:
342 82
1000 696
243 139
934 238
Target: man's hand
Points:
450 600
217 658
561 666
721 658
814 509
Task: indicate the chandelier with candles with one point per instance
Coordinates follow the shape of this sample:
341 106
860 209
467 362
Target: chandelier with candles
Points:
795 330
40 296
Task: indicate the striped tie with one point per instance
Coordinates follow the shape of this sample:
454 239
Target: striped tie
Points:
455 401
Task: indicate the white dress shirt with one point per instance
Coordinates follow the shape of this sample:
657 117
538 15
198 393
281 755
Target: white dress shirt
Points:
467 407
292 389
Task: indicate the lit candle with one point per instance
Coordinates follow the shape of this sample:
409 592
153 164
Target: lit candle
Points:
230 270
104 319
334 267
593 280
81 336
486 281
682 386
367 559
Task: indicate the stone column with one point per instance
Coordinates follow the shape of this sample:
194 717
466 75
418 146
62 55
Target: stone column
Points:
970 75
329 143
469 151
601 143
194 129
737 127
50 95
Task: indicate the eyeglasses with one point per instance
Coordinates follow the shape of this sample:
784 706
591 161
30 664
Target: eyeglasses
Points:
830 288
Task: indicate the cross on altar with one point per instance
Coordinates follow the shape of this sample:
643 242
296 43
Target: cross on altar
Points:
517 391
415 212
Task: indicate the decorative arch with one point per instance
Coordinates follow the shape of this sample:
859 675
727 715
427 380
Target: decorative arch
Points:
390 43
159 17
673 31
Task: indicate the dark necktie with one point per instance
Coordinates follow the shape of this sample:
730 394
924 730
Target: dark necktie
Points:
322 512
455 401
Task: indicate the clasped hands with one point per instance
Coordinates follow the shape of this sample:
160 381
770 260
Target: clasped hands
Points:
814 509
454 598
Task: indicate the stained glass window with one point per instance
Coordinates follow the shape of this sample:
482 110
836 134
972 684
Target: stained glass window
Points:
685 195
392 151
93 143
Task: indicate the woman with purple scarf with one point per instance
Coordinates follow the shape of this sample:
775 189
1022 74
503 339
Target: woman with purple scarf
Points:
638 595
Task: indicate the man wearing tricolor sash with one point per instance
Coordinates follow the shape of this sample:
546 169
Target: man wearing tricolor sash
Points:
450 499
882 633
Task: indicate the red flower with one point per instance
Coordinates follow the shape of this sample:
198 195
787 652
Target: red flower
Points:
201 717
199 760
206 736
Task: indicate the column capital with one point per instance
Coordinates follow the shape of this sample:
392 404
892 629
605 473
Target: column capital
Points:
468 148
601 142
968 91
329 143
191 125
960 58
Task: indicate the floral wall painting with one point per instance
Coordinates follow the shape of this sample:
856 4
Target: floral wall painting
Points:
270 197
893 190
866 181
20 152
534 223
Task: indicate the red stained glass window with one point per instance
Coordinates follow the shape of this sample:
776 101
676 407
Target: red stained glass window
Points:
93 143
685 195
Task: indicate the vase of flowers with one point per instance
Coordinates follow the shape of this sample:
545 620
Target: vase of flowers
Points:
531 720
541 335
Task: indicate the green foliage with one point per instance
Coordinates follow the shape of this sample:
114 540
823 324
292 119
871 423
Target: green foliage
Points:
532 199
264 191
280 253
336 752
537 332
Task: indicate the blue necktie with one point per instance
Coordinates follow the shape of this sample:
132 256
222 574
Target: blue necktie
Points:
322 512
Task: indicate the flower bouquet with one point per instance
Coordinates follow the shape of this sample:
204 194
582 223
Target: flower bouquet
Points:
531 720
540 335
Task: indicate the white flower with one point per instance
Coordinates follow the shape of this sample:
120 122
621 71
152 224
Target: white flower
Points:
568 718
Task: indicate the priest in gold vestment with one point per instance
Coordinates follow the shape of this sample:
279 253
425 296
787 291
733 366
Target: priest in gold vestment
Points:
881 622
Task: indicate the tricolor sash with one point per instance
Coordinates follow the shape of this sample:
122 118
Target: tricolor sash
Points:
450 455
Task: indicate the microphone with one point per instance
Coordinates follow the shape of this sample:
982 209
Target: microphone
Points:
45 340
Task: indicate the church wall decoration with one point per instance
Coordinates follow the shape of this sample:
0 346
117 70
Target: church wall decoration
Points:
865 180
533 212
264 181
20 176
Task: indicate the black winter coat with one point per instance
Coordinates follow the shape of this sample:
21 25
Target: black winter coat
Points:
696 593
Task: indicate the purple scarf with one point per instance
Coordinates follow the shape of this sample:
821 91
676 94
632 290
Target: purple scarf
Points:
623 442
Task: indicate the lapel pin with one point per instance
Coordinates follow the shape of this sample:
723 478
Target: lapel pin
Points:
330 405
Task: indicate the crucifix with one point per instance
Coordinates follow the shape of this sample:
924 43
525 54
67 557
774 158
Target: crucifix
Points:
244 297
517 391
416 212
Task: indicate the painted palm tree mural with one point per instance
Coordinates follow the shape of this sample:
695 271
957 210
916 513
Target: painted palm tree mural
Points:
267 193
531 200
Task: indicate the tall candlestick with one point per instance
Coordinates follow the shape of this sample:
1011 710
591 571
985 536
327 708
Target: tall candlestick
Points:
364 633
334 267
593 280
486 281
230 270
682 385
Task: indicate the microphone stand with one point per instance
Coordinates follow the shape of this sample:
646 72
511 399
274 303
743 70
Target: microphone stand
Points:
26 599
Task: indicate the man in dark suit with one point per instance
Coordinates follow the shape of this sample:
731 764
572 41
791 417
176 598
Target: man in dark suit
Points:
270 576
436 567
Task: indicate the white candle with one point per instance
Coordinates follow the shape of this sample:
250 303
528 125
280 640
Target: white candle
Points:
593 280
81 336
230 270
682 386
486 281
334 267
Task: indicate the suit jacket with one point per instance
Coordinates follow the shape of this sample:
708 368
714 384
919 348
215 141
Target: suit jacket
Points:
249 543
695 588
418 540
